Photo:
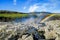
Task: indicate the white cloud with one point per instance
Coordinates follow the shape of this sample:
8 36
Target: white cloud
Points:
14 2
56 11
48 7
24 7
27 3
33 8
51 6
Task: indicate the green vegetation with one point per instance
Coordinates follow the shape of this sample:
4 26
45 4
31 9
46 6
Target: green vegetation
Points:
13 15
57 16
6 16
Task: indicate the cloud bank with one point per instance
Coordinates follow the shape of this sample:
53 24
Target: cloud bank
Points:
50 6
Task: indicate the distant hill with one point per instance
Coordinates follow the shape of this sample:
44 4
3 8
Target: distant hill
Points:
6 11
41 12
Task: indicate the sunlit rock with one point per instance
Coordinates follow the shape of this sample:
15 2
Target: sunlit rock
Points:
24 37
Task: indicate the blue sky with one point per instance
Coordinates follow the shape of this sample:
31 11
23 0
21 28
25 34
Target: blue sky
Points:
30 5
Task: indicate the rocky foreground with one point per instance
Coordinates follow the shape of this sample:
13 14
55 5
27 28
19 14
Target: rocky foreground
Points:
50 30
